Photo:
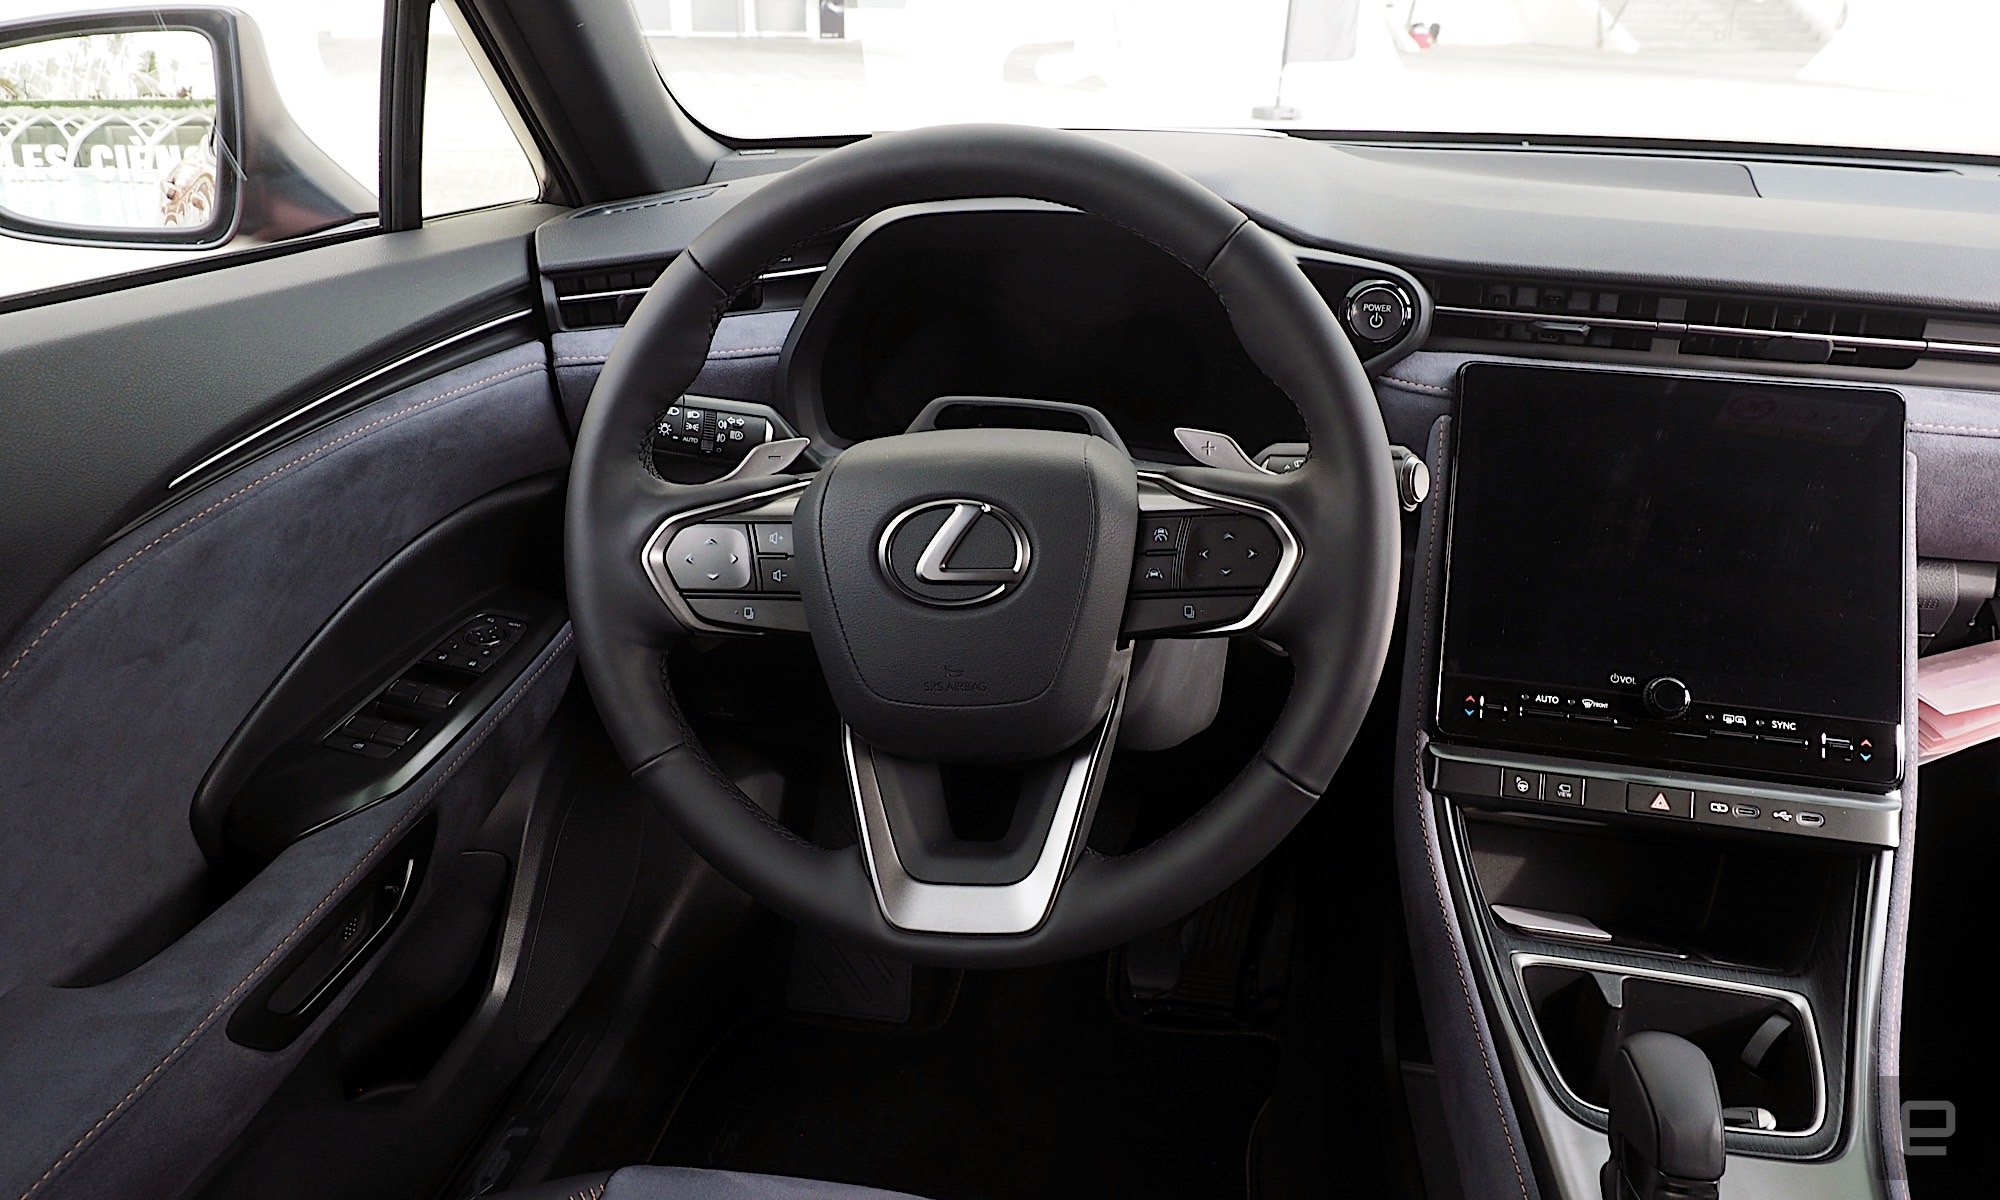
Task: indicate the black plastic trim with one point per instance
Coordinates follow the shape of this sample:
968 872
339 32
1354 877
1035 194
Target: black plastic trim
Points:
305 786
261 1025
405 53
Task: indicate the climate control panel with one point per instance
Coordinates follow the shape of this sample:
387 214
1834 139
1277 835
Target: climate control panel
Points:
1664 719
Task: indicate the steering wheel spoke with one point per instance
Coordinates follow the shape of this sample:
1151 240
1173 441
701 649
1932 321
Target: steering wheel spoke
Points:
725 567
1210 561
929 879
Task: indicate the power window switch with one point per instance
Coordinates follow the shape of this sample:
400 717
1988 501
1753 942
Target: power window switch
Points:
436 697
407 690
362 728
394 733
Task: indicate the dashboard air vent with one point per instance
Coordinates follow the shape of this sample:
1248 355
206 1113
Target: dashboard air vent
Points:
605 296
1572 314
592 299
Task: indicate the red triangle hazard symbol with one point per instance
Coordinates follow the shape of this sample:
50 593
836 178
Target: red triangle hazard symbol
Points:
1659 803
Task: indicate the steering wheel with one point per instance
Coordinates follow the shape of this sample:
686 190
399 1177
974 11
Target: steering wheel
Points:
970 593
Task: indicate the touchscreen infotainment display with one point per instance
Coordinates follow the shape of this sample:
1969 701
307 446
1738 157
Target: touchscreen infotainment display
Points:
1743 543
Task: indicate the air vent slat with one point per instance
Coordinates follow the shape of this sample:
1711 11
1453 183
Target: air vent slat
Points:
1709 326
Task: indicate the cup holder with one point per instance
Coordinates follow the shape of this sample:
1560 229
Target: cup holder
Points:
1762 1042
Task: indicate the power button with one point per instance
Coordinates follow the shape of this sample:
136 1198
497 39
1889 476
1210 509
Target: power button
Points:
1377 311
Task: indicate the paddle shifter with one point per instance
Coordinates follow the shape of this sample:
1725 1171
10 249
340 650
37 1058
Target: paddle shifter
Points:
1666 1122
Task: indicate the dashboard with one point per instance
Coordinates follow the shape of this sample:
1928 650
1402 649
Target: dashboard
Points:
1717 444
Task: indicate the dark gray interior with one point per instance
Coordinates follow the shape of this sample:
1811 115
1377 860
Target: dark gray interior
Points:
438 758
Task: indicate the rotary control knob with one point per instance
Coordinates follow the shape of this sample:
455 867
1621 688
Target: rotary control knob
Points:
1666 697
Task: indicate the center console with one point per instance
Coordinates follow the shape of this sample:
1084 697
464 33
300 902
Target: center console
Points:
1665 646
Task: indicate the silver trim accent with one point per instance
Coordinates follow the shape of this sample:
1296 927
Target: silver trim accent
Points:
1217 450
932 563
966 908
1551 924
621 293
1191 496
768 458
1962 349
1525 318
653 556
1519 960
342 390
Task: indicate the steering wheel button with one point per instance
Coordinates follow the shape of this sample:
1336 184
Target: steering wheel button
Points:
1155 573
776 613
710 558
1230 552
774 539
1170 615
1160 537
777 575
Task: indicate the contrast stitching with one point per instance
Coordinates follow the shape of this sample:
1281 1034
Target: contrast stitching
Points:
1427 817
1433 388
247 488
554 653
594 1192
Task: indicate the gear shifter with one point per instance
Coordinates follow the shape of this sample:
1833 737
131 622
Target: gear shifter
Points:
1666 1122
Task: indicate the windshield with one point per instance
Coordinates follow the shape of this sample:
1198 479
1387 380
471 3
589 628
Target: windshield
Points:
1880 74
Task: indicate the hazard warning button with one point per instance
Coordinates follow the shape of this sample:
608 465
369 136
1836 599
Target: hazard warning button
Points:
1659 801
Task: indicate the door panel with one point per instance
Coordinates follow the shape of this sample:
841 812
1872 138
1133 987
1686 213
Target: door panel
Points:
133 1087
124 950
134 674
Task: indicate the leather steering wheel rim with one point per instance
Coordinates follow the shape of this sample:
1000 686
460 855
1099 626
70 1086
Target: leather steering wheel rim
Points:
1333 618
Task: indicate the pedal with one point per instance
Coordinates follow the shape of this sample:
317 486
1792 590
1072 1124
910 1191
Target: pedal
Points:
830 978
1226 964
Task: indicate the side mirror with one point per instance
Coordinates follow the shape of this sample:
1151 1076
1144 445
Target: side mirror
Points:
156 127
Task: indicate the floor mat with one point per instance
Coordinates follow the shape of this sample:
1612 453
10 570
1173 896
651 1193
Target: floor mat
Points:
1032 1086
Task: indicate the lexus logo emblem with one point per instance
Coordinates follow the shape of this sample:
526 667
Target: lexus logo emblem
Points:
953 553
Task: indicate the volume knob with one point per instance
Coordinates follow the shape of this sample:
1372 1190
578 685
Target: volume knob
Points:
1666 697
